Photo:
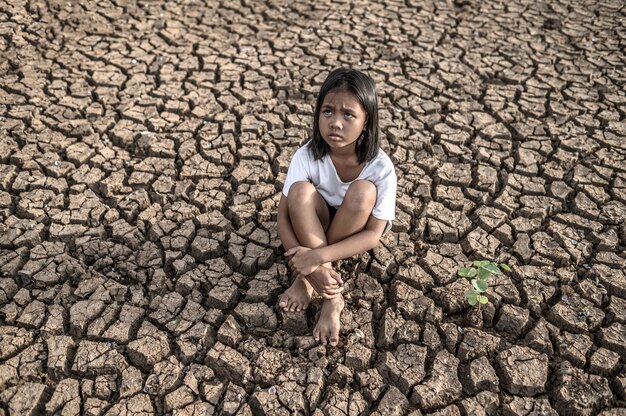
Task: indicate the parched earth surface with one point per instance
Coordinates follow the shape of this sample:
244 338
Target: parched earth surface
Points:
143 149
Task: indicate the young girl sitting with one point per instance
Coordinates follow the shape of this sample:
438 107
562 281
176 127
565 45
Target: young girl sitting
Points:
339 196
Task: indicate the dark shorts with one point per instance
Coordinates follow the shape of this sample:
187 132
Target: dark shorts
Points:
331 212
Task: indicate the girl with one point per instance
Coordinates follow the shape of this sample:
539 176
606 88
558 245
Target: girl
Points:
339 196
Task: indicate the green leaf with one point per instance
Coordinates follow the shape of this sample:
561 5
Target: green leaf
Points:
505 266
472 297
483 299
480 263
480 285
468 272
483 273
465 271
492 268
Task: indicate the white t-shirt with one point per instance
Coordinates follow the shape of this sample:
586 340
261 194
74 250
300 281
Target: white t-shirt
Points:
323 175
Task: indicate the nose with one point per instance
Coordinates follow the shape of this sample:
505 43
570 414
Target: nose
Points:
335 123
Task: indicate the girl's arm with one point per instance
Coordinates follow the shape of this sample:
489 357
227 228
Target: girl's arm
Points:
305 259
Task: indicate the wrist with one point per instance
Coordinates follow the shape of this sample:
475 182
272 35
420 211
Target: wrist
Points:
319 254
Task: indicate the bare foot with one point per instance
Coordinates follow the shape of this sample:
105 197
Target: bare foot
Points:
297 297
327 328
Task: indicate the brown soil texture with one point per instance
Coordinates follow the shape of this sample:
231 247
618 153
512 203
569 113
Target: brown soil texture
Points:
143 147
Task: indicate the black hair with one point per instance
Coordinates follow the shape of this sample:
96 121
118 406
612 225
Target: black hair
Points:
364 89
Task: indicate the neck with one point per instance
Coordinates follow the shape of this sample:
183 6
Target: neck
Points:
346 157
343 153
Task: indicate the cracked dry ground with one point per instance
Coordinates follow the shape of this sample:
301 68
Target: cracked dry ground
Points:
143 148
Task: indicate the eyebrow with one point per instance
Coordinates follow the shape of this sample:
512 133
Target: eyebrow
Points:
348 109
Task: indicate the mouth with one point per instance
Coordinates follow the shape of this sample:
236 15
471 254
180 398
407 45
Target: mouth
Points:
334 136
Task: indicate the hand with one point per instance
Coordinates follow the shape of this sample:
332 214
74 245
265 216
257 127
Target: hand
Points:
304 260
326 282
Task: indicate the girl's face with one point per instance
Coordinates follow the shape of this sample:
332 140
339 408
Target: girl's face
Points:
342 119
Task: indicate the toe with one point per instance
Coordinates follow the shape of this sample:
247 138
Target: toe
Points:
323 338
285 302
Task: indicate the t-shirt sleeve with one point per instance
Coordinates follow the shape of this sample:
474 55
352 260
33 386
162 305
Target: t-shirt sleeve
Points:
298 170
386 184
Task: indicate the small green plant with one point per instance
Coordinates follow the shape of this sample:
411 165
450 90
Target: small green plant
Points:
478 274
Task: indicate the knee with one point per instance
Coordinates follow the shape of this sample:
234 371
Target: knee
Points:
361 196
299 193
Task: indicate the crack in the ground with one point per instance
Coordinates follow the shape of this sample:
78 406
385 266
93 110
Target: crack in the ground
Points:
504 121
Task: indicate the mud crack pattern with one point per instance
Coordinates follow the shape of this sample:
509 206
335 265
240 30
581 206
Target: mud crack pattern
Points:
143 148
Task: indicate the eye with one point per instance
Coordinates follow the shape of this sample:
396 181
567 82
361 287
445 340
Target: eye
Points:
349 116
326 113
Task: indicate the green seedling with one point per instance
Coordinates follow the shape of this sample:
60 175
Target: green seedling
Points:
478 274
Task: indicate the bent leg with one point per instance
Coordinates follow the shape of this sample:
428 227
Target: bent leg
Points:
351 217
308 214
308 218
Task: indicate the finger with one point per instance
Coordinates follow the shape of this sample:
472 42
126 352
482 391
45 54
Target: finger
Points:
337 277
331 285
290 251
328 289
326 295
294 250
